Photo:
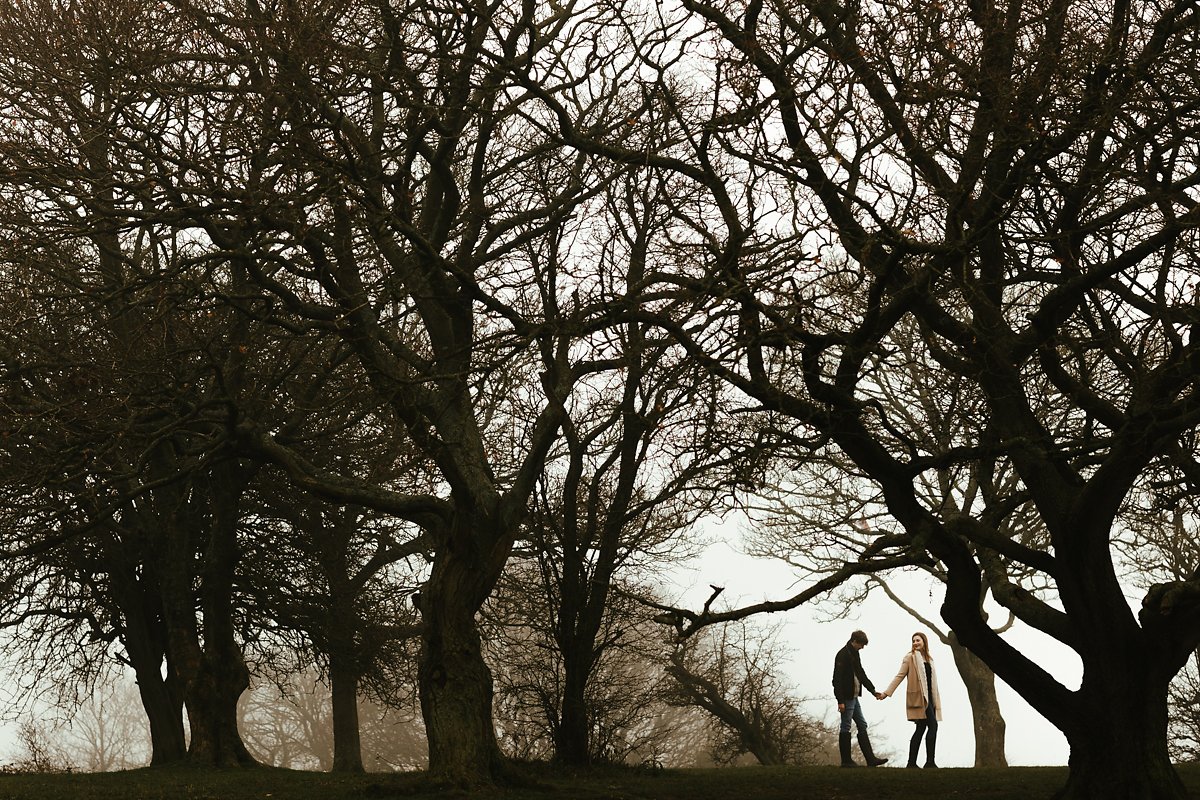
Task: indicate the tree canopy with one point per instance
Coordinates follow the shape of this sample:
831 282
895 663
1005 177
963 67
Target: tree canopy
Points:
945 256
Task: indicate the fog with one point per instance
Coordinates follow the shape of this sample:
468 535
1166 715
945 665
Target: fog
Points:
812 637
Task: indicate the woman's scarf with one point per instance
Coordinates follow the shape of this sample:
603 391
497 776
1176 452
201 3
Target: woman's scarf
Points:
919 661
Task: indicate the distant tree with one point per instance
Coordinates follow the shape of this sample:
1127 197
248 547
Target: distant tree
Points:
329 589
37 751
732 672
978 679
108 732
673 736
289 724
624 676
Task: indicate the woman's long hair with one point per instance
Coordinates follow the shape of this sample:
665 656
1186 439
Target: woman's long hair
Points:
925 648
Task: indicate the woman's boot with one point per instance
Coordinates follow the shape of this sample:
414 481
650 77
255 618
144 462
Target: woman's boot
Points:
930 747
914 744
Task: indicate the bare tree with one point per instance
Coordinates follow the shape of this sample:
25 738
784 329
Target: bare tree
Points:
533 678
108 732
732 672
1016 183
37 751
375 173
289 723
647 448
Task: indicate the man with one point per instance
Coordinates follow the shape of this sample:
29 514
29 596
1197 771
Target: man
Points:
848 680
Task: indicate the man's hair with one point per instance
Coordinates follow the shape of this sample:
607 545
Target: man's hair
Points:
859 637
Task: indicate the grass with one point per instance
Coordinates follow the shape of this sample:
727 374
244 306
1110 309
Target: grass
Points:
760 783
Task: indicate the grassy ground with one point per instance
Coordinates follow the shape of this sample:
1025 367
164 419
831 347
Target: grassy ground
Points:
799 783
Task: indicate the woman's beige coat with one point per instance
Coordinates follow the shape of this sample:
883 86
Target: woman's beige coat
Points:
916 692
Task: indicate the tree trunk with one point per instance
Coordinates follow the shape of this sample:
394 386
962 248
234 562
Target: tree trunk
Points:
347 741
343 645
212 673
455 682
1116 722
985 708
571 740
212 698
1118 747
212 694
143 635
164 712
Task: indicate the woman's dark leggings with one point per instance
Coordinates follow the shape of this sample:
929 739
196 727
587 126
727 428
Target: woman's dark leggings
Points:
928 724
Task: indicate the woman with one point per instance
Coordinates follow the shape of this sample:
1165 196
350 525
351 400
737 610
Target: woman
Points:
922 700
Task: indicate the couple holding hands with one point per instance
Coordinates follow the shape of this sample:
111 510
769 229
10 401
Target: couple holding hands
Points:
923 704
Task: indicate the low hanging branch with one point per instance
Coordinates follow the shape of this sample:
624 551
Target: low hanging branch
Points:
687 623
752 730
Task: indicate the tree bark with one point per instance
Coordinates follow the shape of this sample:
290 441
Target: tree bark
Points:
163 707
347 738
144 637
1118 747
985 708
211 699
454 680
571 739
168 744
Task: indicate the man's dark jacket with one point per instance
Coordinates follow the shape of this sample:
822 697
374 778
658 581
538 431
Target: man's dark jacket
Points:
846 666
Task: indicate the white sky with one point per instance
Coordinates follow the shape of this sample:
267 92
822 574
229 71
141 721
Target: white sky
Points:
1031 740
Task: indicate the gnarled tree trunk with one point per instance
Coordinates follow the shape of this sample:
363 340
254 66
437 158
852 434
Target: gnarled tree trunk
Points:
1116 722
211 671
455 682
211 698
1118 749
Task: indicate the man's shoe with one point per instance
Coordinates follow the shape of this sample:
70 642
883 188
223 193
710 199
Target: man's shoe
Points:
864 744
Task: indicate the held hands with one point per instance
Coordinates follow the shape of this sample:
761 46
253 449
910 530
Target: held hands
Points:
880 695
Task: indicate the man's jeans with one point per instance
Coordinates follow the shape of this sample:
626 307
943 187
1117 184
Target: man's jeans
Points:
853 710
